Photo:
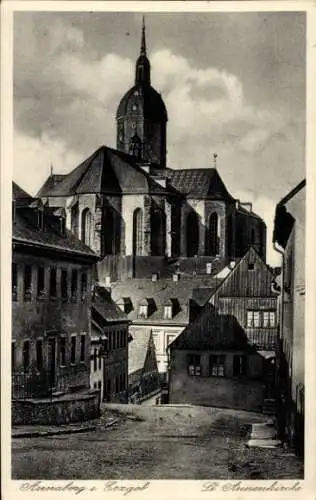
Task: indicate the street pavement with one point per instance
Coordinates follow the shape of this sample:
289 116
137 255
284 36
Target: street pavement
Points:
156 442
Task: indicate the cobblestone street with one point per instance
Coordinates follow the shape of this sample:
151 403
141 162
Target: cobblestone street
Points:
156 443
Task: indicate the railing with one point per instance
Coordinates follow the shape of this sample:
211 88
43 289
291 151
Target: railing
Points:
38 385
31 385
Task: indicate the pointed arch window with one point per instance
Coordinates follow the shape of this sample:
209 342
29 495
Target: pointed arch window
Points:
192 234
74 217
86 226
138 232
158 232
213 243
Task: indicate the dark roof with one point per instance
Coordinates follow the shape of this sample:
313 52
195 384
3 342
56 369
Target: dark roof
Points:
21 197
211 331
106 307
199 183
250 213
293 192
106 171
137 350
25 231
159 292
148 100
49 184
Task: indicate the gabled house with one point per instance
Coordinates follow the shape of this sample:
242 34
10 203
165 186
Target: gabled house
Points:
225 357
143 375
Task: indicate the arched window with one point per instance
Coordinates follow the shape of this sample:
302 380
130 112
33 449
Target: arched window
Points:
74 217
138 232
213 239
158 232
192 234
86 226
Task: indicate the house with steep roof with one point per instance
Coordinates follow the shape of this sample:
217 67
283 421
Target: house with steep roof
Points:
162 306
289 240
52 272
138 214
143 376
226 355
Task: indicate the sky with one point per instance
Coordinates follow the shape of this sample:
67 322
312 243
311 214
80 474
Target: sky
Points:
233 83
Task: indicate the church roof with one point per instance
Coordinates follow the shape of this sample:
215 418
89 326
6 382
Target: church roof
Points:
199 183
49 184
148 101
106 171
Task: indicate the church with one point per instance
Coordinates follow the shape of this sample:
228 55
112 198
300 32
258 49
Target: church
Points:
143 218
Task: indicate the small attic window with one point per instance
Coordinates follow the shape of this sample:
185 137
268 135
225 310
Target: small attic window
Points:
143 311
251 266
168 311
125 304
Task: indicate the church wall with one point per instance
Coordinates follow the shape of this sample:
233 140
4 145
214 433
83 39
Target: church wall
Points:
220 208
129 204
199 208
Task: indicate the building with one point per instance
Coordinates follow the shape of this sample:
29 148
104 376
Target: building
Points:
109 347
52 272
163 307
139 215
289 239
143 376
225 357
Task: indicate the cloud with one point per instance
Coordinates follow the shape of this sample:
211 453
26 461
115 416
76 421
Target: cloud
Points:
65 99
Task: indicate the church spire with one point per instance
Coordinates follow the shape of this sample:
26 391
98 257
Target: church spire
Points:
142 76
143 42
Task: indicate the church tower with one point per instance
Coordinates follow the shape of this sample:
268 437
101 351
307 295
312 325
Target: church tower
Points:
142 116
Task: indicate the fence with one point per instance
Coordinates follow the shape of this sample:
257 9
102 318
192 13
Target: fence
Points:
31 385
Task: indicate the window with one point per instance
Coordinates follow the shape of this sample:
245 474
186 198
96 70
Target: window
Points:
100 362
217 365
73 350
194 364
113 340
26 355
52 282
94 385
239 365
213 242
168 312
83 286
95 360
14 281
268 319
253 319
39 355
99 385
40 281
27 283
62 351
64 285
86 226
13 356
143 309
74 283
251 266
82 347
117 340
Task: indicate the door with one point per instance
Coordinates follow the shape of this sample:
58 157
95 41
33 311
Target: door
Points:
52 362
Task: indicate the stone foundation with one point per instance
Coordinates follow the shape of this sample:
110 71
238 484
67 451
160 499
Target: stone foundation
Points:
60 410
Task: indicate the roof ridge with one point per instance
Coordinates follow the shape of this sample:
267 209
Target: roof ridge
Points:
293 192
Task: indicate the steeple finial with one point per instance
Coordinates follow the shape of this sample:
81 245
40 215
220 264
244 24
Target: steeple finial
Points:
143 42
215 155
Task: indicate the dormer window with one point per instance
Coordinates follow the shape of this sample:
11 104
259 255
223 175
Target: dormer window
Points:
143 311
125 305
168 311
